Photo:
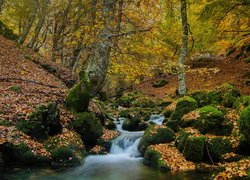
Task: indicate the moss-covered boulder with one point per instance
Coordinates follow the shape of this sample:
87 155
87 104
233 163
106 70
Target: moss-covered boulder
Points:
110 124
43 122
155 134
216 147
144 102
245 123
88 126
208 120
205 98
194 148
181 139
67 149
160 83
225 95
244 146
183 106
153 159
134 124
241 103
22 153
174 125
77 99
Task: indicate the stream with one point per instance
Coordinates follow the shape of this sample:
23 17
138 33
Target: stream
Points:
124 162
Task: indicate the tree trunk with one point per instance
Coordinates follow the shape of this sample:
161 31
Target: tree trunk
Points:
98 61
40 23
28 25
181 73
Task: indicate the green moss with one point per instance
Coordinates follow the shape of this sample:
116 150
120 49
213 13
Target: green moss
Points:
6 123
87 125
241 102
126 101
245 123
152 158
134 123
174 125
205 98
184 105
247 60
16 89
110 125
144 102
194 148
155 135
218 146
210 120
181 140
21 153
77 100
43 122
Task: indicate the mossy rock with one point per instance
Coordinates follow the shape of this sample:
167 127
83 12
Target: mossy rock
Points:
241 103
181 140
244 146
110 125
88 126
160 83
155 134
134 124
144 102
126 101
21 153
153 159
194 148
77 100
43 122
7 123
67 149
245 123
217 147
183 106
174 125
208 120
205 98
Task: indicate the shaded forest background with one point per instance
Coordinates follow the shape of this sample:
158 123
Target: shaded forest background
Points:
146 35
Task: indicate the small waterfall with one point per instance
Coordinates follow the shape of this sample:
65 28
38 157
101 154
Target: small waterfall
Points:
157 119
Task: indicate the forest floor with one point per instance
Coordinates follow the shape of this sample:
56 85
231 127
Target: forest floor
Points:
206 76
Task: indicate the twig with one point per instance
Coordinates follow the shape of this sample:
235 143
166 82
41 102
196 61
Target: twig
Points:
209 154
3 79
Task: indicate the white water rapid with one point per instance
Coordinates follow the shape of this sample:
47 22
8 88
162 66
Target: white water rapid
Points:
123 158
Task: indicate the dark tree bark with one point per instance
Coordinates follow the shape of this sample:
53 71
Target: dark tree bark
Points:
40 23
181 73
28 25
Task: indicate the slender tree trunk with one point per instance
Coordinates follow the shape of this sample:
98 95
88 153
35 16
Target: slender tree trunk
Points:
181 74
40 23
58 30
98 61
119 22
28 25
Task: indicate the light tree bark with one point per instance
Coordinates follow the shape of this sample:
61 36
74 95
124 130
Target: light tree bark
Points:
181 73
98 61
28 25
40 23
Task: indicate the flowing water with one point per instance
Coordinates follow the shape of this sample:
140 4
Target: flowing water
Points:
123 163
